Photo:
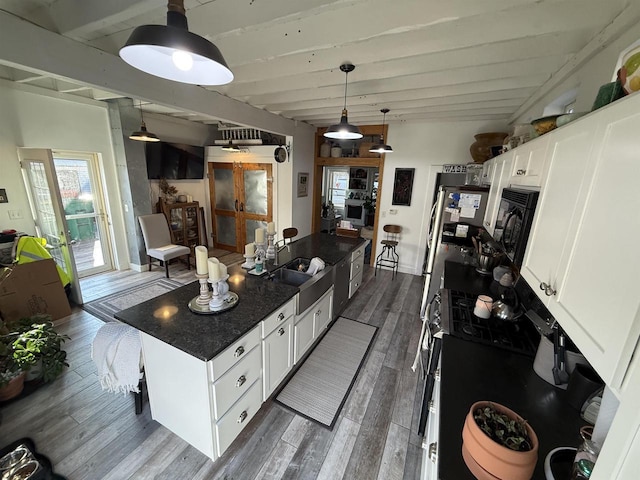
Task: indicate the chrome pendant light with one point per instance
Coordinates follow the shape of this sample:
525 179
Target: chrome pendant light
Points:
344 130
382 147
171 51
143 135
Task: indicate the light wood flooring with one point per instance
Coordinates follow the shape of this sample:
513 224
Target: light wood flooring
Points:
91 434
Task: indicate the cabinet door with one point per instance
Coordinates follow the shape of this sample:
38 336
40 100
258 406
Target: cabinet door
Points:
561 201
500 177
304 335
488 169
530 162
598 293
277 356
322 313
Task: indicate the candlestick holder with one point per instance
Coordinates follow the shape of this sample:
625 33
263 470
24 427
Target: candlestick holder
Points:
271 250
205 294
223 287
216 299
249 262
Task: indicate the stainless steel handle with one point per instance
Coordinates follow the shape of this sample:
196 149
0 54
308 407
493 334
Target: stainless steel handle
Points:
433 452
432 406
281 332
486 223
241 381
319 312
357 266
436 375
281 317
242 417
521 172
239 351
548 290
357 284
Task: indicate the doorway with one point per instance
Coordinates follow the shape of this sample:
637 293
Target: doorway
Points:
241 201
65 197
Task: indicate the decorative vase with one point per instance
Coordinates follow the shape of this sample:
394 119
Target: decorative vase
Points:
13 388
481 149
480 451
336 152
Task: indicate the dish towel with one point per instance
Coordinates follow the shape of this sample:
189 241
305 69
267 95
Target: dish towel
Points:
116 351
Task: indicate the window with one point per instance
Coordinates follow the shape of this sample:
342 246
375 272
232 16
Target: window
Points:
337 191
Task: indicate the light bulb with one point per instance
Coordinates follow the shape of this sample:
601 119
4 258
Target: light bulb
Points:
182 60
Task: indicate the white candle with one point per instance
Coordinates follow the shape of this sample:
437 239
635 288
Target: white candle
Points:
201 260
214 269
223 270
259 235
271 228
249 249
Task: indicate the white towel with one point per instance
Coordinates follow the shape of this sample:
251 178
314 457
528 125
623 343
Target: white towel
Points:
116 351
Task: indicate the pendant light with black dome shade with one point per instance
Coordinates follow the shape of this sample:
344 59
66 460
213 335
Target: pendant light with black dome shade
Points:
382 147
143 135
171 51
344 130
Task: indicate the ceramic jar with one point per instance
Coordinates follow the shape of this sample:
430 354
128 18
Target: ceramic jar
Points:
336 152
325 149
481 149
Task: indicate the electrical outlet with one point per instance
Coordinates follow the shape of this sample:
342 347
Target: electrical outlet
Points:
15 214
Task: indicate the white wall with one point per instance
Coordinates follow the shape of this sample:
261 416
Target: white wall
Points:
419 145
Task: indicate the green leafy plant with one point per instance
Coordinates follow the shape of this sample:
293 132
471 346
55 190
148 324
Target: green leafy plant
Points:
501 429
369 204
167 189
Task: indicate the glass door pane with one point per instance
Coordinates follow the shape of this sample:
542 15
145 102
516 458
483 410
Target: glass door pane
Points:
255 191
224 205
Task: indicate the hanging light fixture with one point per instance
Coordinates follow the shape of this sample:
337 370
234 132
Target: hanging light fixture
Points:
171 51
382 147
344 130
230 147
143 135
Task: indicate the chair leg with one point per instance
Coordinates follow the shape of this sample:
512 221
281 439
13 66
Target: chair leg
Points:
150 263
166 268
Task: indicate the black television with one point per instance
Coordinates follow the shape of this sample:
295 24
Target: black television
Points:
174 161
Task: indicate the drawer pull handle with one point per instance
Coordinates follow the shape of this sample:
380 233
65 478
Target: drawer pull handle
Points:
433 452
357 284
239 351
521 172
486 223
548 290
281 332
281 317
319 312
432 406
242 417
241 381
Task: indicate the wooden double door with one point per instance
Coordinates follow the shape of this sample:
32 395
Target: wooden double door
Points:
241 201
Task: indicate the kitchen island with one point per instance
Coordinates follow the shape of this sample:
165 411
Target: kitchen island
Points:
207 375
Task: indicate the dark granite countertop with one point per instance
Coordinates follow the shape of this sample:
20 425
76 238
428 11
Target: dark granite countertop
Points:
169 319
471 372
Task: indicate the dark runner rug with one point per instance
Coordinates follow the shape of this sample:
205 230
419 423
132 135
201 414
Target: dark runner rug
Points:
321 385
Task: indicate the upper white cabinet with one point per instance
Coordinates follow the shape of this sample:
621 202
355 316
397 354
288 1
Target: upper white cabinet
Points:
530 163
583 246
500 178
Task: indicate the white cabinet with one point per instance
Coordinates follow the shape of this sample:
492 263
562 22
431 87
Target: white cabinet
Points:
500 178
277 347
488 169
355 271
583 245
240 414
310 324
530 163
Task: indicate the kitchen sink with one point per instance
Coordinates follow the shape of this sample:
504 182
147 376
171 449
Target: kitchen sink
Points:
290 276
299 264
311 287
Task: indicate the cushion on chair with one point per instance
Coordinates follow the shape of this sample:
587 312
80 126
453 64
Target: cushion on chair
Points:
168 252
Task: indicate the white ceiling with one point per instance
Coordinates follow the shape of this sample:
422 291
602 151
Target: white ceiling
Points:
422 59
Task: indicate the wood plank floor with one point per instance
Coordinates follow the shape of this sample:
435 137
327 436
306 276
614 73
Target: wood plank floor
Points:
91 434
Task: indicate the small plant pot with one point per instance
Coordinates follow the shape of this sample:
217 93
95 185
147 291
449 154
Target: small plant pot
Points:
495 460
13 388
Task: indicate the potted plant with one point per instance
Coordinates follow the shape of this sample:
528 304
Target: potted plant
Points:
11 376
168 191
497 440
369 205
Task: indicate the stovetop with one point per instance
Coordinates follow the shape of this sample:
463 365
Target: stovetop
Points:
516 336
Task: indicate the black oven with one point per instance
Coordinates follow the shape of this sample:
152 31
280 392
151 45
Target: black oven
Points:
514 220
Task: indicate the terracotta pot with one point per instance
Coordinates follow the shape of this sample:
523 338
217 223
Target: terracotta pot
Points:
481 149
13 388
496 460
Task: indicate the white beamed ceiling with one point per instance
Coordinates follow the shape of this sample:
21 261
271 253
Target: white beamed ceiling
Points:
423 59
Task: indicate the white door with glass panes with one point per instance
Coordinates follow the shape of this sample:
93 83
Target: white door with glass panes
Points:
337 185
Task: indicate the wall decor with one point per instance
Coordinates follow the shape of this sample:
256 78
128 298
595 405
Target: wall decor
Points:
303 184
402 186
3 196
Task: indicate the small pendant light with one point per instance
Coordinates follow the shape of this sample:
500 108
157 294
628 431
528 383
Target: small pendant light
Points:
230 147
382 147
171 51
344 130
143 135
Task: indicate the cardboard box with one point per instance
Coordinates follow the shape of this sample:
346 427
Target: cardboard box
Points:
32 288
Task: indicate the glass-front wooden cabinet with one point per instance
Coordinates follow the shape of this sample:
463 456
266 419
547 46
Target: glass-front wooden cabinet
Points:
183 222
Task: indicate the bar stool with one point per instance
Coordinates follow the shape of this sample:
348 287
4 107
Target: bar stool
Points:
289 233
388 258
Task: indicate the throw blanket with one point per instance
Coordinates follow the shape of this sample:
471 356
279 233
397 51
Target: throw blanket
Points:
116 351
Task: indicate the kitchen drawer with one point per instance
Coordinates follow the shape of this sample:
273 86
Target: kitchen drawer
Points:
233 384
322 314
358 252
354 284
356 267
238 416
278 317
233 354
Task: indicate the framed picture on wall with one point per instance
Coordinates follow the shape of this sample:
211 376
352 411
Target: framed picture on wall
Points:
303 184
402 186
